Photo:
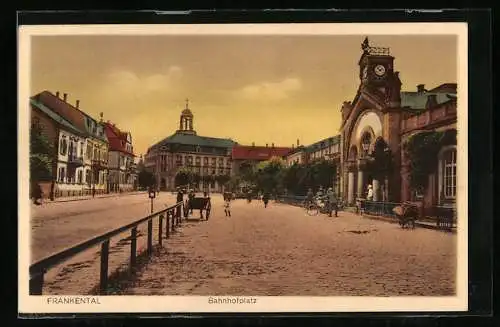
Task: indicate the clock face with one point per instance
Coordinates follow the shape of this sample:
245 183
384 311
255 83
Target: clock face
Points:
379 70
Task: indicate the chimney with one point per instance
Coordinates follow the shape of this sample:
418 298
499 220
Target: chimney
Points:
267 145
431 101
65 97
77 104
57 94
421 88
297 142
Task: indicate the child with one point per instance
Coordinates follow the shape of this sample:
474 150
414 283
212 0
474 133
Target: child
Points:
227 208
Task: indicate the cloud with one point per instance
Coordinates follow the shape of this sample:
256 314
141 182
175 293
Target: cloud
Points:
270 90
127 81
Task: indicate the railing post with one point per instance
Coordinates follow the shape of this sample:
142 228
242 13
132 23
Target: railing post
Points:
150 236
160 230
36 284
167 225
133 247
173 222
104 267
179 217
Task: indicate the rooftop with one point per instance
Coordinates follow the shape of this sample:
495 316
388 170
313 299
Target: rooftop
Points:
77 117
251 152
324 143
56 117
190 139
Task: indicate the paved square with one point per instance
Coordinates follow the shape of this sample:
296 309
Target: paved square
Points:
280 250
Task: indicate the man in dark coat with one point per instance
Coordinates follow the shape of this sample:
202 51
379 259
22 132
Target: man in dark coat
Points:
37 194
180 196
265 198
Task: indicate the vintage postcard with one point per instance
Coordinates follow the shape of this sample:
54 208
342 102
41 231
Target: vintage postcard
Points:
243 168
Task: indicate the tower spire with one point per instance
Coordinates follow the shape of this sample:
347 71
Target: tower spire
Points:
187 103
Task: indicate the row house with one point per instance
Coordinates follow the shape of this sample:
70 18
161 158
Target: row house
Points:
68 141
121 165
205 156
83 156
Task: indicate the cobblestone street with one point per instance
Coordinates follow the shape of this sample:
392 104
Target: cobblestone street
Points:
283 251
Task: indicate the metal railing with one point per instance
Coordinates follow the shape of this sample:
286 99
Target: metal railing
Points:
378 208
296 200
173 217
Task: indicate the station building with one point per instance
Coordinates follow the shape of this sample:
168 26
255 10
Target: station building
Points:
378 123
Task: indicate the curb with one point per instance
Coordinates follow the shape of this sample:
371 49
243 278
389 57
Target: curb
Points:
94 198
417 224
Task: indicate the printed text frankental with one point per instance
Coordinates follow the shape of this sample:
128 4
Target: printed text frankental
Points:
73 300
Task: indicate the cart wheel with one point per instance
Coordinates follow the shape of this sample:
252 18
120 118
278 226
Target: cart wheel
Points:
312 210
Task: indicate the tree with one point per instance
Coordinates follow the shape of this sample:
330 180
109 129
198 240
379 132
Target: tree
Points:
269 174
422 150
222 180
323 173
41 156
183 177
145 178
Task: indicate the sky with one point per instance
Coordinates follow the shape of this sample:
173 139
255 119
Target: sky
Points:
262 89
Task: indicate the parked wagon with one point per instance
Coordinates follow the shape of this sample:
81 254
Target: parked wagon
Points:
198 203
407 214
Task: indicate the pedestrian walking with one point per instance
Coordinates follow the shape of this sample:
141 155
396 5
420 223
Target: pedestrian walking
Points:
93 191
227 207
332 202
180 196
191 196
37 194
265 198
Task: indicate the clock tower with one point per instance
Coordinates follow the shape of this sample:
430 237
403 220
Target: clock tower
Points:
376 65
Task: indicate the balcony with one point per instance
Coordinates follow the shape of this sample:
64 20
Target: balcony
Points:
99 164
75 161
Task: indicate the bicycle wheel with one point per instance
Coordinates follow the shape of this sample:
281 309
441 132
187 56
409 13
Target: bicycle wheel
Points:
312 210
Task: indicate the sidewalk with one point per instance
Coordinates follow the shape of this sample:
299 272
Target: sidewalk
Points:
419 223
89 197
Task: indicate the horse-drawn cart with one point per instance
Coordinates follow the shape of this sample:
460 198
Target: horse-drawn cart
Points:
198 203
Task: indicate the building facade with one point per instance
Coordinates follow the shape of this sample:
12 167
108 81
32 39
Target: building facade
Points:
376 126
67 141
121 166
207 157
93 149
327 149
244 156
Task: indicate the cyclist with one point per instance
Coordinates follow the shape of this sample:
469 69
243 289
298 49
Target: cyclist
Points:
320 194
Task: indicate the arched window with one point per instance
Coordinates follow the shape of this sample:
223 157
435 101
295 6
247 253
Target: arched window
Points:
448 172
366 140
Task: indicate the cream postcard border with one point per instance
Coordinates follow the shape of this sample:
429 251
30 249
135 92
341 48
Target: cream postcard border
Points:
174 304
